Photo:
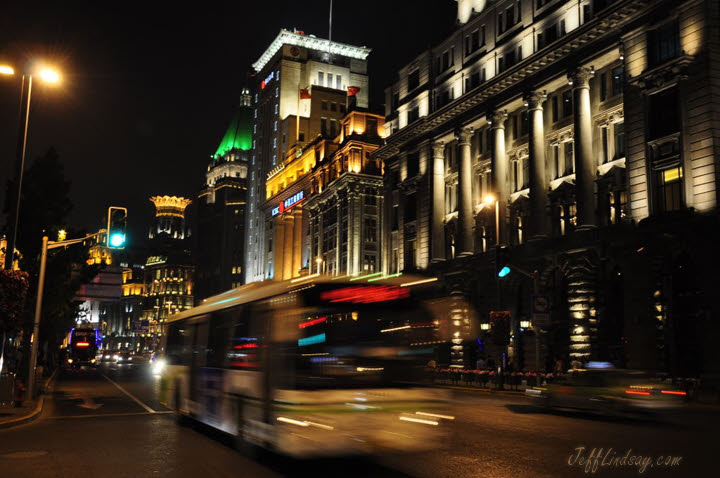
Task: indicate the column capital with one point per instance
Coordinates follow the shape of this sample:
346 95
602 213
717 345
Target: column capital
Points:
534 99
438 148
464 135
580 77
497 118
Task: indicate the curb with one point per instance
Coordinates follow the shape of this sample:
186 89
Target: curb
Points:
35 413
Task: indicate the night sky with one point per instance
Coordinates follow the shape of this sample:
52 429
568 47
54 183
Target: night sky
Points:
149 87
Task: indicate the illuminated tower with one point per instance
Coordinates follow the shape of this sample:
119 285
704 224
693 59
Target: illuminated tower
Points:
221 207
169 271
169 217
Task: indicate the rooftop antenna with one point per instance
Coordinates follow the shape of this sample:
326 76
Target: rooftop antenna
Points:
330 30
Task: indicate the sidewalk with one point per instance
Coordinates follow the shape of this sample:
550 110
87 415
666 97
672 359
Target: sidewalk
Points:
30 410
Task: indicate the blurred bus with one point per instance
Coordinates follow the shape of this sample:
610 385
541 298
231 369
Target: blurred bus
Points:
314 366
83 346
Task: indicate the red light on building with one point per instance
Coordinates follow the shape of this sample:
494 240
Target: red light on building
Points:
366 295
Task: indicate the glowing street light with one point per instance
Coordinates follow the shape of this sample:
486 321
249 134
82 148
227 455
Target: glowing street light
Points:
49 75
46 75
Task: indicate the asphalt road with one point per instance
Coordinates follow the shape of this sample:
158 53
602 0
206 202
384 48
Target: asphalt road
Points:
109 423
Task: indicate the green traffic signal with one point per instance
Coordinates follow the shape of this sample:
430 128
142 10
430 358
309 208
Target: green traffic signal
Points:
117 222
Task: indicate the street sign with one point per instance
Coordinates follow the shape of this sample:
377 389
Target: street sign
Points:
541 310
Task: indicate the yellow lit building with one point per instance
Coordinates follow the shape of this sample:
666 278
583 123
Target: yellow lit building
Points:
323 203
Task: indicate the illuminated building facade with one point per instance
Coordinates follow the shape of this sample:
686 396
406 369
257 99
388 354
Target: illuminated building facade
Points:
302 94
169 273
324 202
220 214
100 298
132 328
591 124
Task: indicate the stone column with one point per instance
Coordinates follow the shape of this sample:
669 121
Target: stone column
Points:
298 242
539 220
465 206
438 202
278 248
288 224
500 168
585 168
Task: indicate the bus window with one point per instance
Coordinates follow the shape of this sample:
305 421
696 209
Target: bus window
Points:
179 344
221 324
243 350
361 346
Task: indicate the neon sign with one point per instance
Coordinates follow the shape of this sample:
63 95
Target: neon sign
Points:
267 80
288 203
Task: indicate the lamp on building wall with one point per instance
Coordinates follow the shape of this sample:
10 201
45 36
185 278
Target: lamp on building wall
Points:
319 262
488 201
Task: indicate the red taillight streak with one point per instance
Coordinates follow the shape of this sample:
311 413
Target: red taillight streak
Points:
636 392
319 320
82 344
244 364
672 392
246 346
365 295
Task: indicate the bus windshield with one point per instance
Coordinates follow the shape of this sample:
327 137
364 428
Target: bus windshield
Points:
358 346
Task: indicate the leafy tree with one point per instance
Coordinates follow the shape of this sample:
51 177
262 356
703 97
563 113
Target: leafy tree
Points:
45 206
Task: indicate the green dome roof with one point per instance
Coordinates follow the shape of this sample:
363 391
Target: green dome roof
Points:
239 133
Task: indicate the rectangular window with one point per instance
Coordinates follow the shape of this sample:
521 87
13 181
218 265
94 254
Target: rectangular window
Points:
569 162
321 78
669 189
338 82
619 140
410 212
333 128
664 114
605 145
413 80
413 164
567 107
603 86
554 108
324 105
664 42
413 114
323 126
617 80
556 160
524 123
333 106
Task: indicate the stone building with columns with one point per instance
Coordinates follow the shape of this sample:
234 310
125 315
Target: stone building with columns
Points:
592 124
324 203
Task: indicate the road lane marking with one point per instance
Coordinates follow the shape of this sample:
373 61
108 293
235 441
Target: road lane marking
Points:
133 397
101 415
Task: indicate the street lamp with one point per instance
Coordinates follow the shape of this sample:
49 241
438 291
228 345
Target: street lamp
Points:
46 75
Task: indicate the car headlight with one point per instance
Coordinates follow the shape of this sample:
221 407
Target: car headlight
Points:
130 358
92 361
70 360
116 357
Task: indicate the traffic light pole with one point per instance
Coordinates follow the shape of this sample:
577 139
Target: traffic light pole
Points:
46 245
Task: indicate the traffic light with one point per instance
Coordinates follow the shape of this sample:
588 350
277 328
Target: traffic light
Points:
117 221
502 260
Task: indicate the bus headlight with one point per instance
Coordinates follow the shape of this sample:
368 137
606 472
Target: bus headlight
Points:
158 367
